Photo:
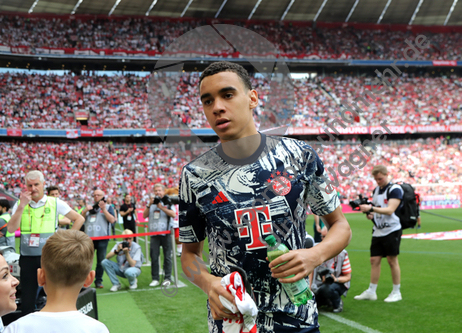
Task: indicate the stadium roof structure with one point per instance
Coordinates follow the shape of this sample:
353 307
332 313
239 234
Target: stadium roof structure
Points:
415 12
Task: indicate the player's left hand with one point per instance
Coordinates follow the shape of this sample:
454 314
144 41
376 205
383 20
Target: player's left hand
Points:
297 262
365 208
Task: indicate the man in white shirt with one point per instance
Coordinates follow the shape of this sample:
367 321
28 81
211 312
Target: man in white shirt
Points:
36 214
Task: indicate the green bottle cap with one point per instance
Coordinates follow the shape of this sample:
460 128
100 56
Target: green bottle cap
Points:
270 240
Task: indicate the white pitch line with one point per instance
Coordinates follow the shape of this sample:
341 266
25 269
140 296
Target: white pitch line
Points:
180 285
350 323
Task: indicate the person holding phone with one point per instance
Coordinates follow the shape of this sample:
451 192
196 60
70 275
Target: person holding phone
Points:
128 213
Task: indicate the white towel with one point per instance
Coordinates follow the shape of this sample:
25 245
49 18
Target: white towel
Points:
246 322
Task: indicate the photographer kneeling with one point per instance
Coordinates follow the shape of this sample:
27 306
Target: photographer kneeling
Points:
129 260
331 280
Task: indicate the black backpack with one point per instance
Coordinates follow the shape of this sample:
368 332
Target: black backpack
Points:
408 212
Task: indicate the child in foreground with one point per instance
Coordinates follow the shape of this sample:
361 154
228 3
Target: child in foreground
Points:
67 258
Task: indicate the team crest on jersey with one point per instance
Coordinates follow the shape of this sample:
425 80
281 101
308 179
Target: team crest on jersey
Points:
385 201
280 183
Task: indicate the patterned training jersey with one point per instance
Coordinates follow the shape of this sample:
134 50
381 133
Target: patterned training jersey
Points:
237 203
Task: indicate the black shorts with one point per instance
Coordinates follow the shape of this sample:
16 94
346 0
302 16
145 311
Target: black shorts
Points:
418 211
387 245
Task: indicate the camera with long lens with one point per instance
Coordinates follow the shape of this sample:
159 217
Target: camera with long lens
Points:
125 245
360 201
327 273
166 200
96 206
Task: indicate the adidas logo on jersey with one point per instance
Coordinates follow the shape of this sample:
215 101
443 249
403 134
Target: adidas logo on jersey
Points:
220 198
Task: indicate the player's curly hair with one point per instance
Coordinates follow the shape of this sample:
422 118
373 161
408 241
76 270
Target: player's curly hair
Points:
225 66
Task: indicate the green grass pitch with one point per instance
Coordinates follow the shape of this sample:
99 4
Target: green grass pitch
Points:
431 272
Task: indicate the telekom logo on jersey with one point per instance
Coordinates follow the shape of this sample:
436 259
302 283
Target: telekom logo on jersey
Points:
249 226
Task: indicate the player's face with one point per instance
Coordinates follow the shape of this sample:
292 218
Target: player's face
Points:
54 193
381 179
8 285
36 188
228 106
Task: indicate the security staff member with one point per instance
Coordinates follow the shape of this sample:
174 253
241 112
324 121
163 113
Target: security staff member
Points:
6 238
97 223
80 208
36 215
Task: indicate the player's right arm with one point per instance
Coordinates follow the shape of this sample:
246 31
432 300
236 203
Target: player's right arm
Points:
24 198
196 272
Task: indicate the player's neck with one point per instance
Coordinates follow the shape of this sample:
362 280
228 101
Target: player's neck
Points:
243 147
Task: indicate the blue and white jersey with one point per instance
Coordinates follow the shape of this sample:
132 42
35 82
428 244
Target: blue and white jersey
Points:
386 224
237 203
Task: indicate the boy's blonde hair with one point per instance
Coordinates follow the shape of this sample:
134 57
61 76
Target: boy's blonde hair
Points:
379 169
67 257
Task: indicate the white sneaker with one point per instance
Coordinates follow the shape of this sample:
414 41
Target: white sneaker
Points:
154 283
367 295
166 283
115 287
135 285
393 297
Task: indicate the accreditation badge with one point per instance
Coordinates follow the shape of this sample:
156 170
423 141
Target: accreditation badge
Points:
129 218
92 218
156 214
34 240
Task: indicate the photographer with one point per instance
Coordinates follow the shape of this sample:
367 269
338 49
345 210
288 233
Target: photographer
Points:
97 223
386 234
331 280
127 211
160 212
129 260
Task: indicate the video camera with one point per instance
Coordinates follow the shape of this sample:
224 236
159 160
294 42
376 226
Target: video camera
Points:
327 273
166 200
96 206
360 201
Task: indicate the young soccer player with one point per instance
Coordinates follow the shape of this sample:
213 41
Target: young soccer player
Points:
67 258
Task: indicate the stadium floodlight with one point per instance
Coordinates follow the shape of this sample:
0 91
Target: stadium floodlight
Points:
416 11
31 9
221 7
450 12
76 6
114 7
352 10
384 11
151 7
320 10
287 9
254 9
186 8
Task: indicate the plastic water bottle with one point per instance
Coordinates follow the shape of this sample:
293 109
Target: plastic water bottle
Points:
298 292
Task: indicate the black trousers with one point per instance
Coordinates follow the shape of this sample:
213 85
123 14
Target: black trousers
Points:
29 284
130 225
101 249
330 292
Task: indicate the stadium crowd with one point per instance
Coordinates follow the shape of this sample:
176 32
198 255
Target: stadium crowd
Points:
130 101
153 34
76 167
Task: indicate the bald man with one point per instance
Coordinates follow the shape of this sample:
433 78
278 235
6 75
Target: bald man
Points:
98 220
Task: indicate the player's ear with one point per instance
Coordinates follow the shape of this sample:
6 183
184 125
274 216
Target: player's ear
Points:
89 279
41 277
253 102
